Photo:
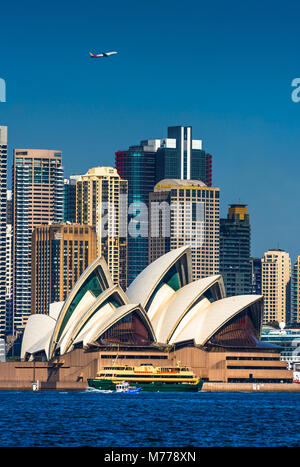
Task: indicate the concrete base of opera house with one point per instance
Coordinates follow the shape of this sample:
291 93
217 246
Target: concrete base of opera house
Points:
207 386
240 370
250 387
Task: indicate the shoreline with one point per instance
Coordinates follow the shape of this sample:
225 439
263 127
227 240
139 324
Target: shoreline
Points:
207 386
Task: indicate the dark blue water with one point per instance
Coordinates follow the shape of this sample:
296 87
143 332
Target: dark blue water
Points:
70 419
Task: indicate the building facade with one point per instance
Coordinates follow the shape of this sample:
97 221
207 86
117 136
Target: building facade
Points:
186 212
70 198
60 254
3 215
276 286
255 264
37 188
235 264
295 317
9 281
101 202
181 157
178 156
137 166
9 207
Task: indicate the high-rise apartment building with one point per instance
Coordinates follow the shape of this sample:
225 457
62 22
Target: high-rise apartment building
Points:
186 212
3 214
37 187
137 166
295 308
9 281
235 264
9 276
9 207
70 198
276 279
101 202
60 254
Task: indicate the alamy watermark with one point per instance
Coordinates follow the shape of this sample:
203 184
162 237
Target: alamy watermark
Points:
161 219
2 90
296 92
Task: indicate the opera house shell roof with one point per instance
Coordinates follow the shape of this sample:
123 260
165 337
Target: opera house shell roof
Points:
162 307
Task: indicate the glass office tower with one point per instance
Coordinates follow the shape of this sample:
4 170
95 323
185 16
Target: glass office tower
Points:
178 156
235 264
137 166
70 198
181 157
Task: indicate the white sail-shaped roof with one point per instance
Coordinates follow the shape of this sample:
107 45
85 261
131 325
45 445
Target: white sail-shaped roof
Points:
105 321
167 319
98 275
37 334
83 313
201 323
143 286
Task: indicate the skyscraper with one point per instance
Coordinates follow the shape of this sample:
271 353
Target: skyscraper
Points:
101 202
37 187
186 212
60 254
9 280
295 316
255 264
276 286
137 166
177 156
70 198
235 264
181 157
9 207
3 191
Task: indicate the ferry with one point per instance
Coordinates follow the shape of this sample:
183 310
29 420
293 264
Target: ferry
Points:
148 378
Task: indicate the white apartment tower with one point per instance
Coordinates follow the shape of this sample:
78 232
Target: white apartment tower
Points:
276 278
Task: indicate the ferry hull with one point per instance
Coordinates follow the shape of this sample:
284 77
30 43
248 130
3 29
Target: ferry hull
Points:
156 386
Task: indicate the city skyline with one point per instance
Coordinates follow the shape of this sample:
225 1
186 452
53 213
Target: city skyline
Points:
233 86
246 118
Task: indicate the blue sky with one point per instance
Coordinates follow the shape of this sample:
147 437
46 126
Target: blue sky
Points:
223 67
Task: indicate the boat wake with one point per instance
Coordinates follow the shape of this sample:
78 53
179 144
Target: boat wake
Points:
103 391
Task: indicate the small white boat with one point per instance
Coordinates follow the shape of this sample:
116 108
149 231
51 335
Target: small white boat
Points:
123 386
35 386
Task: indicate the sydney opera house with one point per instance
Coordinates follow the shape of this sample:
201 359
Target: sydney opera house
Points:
163 317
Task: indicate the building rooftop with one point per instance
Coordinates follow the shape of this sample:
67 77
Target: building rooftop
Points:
169 183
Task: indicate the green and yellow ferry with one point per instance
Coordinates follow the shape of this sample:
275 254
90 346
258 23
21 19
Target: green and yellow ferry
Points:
147 377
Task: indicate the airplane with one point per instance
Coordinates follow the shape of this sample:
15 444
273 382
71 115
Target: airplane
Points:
103 54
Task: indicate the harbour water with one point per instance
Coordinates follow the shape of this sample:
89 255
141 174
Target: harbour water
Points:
204 419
